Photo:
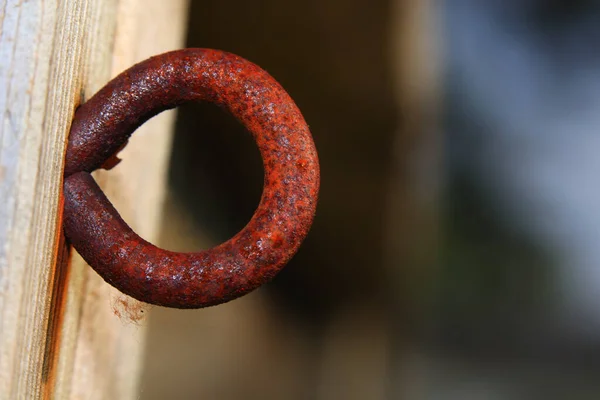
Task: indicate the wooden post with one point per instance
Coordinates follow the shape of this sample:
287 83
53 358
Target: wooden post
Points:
63 332
412 215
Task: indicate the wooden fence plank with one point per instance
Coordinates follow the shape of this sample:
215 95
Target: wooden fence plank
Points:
59 335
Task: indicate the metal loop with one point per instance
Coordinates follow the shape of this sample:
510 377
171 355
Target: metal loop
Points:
253 256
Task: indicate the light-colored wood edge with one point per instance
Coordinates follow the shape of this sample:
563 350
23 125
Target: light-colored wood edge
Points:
102 358
42 53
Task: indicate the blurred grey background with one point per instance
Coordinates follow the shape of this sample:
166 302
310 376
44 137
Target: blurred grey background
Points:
454 254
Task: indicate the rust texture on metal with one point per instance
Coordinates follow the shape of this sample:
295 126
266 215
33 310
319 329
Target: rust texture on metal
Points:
252 257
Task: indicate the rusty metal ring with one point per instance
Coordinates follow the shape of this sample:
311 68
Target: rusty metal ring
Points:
252 257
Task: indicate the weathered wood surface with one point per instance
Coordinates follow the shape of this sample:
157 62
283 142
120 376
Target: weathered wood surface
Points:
63 332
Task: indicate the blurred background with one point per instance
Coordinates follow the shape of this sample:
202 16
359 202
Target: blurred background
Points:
455 249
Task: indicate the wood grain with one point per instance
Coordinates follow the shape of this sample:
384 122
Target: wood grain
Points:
63 333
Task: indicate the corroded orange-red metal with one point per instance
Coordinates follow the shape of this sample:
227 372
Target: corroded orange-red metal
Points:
253 256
